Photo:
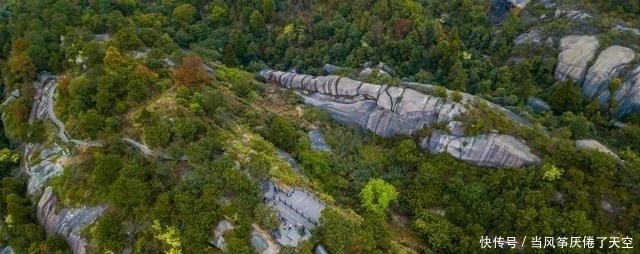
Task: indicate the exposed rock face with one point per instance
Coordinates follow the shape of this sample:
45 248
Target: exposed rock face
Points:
333 69
317 141
7 250
41 173
608 65
12 96
626 29
573 14
628 96
386 110
146 150
520 3
537 104
218 234
390 111
534 36
67 223
282 154
490 150
576 52
590 144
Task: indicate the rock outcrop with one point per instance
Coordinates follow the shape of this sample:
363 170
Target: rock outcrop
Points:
573 14
386 110
218 234
46 168
520 3
591 144
534 36
537 104
67 222
489 150
146 150
609 63
391 111
628 96
576 52
317 141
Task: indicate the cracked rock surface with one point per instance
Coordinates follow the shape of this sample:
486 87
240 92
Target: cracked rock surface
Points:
392 110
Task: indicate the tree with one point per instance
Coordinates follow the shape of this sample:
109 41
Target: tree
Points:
377 195
256 20
566 97
114 61
126 39
268 8
184 14
191 72
21 68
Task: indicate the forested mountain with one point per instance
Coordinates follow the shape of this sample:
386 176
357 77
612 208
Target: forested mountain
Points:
301 126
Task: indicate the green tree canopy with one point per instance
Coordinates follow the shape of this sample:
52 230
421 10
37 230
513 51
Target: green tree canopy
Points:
377 195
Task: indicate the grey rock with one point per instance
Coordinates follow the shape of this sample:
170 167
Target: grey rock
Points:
626 29
549 42
456 128
572 14
317 141
366 72
619 124
609 63
67 222
386 68
258 243
7 250
548 3
537 104
576 52
320 250
591 144
520 3
534 36
489 150
12 96
146 150
607 207
282 154
44 170
101 37
628 96
390 111
218 232
331 69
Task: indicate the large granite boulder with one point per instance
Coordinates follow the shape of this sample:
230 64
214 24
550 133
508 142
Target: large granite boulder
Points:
67 222
537 104
317 141
520 3
609 63
591 144
575 53
489 150
628 96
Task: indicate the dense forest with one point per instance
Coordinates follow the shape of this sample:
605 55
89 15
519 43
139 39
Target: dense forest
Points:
180 77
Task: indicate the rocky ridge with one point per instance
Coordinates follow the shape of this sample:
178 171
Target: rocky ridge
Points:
67 222
391 111
41 165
